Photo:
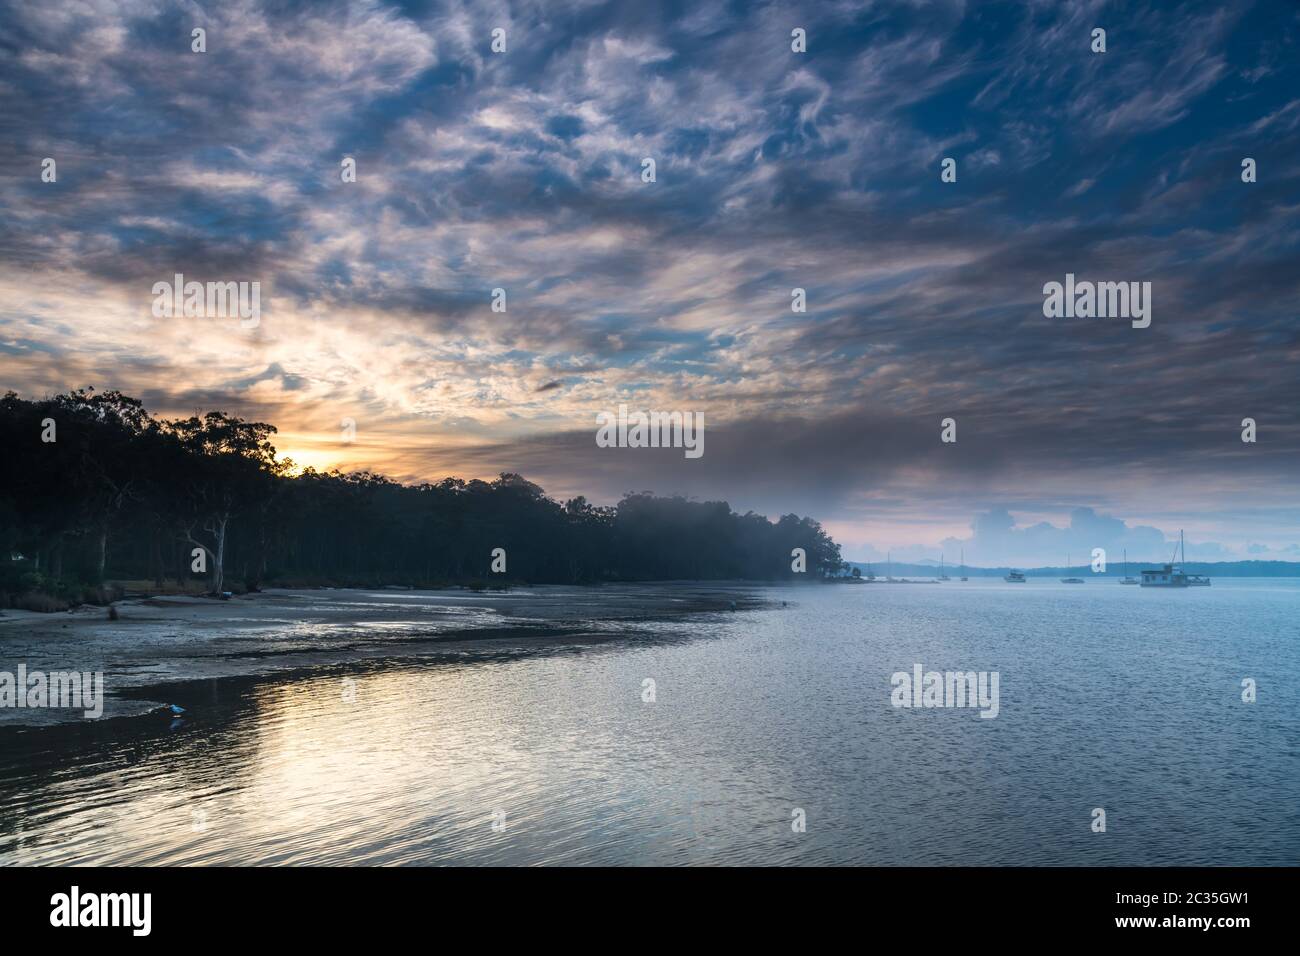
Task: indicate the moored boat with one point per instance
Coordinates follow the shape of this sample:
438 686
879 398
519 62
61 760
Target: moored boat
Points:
1173 575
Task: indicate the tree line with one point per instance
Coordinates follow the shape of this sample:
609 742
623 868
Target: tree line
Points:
94 488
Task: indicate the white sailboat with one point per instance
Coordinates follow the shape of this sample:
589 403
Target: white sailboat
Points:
1067 568
1126 579
1193 580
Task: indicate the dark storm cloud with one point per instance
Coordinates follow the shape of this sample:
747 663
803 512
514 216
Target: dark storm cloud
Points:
775 170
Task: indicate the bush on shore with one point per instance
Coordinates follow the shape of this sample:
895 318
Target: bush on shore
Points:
28 590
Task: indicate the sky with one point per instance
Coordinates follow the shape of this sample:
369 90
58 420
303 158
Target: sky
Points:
522 170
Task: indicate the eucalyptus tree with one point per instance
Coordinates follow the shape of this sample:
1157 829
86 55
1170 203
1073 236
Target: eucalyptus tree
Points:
227 469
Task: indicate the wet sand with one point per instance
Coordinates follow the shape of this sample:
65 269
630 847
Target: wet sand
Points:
160 642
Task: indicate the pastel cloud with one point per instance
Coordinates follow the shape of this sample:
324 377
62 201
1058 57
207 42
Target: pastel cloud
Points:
522 171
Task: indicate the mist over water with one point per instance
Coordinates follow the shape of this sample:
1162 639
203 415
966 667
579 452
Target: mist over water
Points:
1110 696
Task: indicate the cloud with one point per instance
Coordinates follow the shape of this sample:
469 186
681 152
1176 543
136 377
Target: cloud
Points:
996 540
775 170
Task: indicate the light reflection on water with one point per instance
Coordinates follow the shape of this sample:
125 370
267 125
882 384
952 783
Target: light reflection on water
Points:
1110 697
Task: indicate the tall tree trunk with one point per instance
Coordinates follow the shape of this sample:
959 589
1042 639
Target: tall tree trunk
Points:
259 568
101 557
155 558
219 559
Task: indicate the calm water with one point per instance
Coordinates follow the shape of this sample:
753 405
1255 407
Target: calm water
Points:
1110 697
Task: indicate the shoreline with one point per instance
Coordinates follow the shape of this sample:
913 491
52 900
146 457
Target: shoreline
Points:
159 643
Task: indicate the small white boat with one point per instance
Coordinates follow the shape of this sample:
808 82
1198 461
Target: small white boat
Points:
1015 577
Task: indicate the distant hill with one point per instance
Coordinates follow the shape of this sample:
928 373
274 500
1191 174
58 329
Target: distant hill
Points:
1223 569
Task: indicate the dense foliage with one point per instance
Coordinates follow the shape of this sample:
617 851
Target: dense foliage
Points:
120 494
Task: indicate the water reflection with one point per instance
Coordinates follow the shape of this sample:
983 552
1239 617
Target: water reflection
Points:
1108 700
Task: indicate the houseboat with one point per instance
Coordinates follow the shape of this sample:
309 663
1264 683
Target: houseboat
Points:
1173 575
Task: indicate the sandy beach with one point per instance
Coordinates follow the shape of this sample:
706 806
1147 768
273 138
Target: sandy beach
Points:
164 640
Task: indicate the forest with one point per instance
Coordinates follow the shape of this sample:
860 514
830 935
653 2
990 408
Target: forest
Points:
95 491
